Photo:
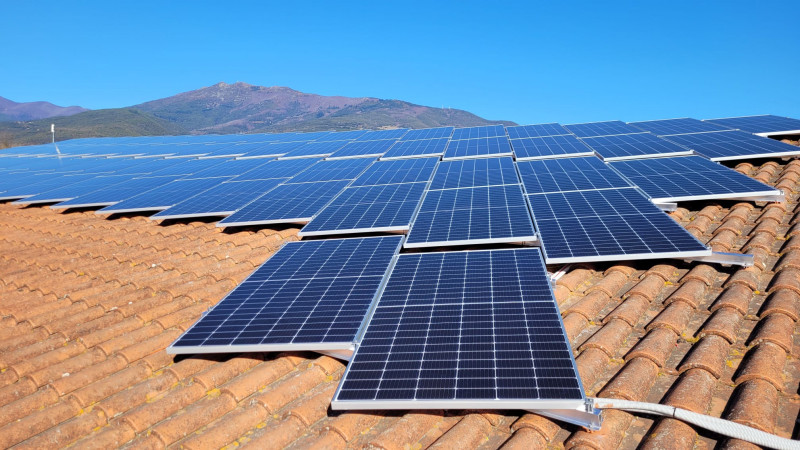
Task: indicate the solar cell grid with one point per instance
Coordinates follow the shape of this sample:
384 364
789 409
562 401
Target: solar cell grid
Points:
110 194
342 169
388 207
363 148
220 200
163 197
477 148
428 133
766 124
634 146
277 169
314 149
732 145
380 135
416 149
669 127
397 171
487 131
535 131
288 203
310 295
608 128
568 174
474 173
341 136
549 147
463 329
229 168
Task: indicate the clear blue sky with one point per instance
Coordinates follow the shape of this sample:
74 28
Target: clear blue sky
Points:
528 62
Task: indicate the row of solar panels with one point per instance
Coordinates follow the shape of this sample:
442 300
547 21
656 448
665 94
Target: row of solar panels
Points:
583 208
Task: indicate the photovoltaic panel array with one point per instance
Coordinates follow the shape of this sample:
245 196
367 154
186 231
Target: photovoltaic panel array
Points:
314 150
416 149
608 128
472 202
399 171
310 295
221 200
477 329
487 131
164 196
732 145
287 203
362 149
428 133
380 135
764 124
277 169
342 136
69 191
536 131
477 148
638 145
686 178
608 225
343 169
111 194
568 174
669 127
549 147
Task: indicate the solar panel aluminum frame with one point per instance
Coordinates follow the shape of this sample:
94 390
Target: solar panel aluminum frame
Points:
340 350
688 152
590 152
764 134
775 195
754 156
576 411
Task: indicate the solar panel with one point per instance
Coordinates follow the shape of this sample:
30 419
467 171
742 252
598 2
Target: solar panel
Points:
380 135
568 174
608 225
416 149
638 145
670 127
494 214
361 149
273 150
342 169
229 168
479 132
477 148
78 188
535 131
428 133
689 178
277 169
387 207
549 147
288 203
731 145
765 124
315 150
342 136
397 171
310 295
475 329
163 197
221 200
608 128
110 194
474 173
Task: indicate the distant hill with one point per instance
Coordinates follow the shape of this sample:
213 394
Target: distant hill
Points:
11 110
240 108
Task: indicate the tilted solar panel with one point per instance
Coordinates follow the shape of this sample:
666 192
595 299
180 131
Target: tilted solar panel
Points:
416 149
670 127
310 295
164 196
474 173
428 133
537 130
627 146
475 329
340 169
361 149
607 128
314 150
221 200
568 174
549 147
765 124
686 178
477 148
277 169
608 225
397 171
380 135
732 145
478 132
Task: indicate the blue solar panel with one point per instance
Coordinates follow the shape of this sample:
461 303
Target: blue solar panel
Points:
342 136
477 148
310 295
476 329
42 182
110 194
549 147
609 128
397 171
768 124
670 127
416 149
428 133
185 167
164 196
608 225
568 174
78 188
315 149
220 200
535 131
474 173
387 207
380 135
277 169
479 132
472 216
639 145
363 148
229 168
730 145
342 169
689 178
288 203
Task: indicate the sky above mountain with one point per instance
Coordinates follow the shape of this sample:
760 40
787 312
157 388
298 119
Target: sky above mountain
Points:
528 62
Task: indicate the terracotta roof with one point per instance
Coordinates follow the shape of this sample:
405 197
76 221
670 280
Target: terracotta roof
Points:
87 306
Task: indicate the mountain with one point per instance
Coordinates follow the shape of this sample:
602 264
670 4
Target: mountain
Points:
240 108
11 110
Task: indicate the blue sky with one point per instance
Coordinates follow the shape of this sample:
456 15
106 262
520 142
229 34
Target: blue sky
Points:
529 62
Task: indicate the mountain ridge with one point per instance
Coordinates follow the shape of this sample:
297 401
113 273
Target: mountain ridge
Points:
25 111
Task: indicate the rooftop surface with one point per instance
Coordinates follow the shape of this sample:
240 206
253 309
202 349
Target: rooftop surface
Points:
88 305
